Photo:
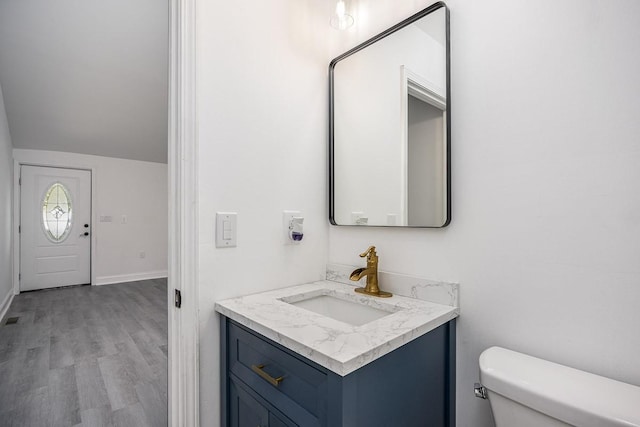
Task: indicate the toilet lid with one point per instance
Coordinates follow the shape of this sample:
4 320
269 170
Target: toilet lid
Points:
570 395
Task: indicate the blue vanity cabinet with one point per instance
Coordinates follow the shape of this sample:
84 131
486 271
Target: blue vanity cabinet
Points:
245 410
266 384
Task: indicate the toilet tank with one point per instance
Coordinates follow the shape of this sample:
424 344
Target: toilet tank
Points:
527 391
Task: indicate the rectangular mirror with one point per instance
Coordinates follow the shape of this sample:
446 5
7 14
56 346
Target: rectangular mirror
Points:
389 127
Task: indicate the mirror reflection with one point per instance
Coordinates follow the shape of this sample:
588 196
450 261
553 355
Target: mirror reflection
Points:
389 127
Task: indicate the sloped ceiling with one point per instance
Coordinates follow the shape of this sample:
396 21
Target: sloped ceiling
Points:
86 76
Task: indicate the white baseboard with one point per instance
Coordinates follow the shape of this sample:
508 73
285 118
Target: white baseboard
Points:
121 278
4 306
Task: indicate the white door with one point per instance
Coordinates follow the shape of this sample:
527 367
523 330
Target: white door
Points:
55 227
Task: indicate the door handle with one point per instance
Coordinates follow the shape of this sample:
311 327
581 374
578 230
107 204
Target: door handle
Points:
85 234
273 381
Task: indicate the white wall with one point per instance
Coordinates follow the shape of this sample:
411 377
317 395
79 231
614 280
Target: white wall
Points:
262 86
545 236
6 191
131 188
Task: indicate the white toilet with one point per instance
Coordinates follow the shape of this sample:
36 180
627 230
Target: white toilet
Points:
525 391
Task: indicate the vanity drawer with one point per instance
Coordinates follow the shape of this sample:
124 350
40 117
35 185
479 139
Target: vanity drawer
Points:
288 383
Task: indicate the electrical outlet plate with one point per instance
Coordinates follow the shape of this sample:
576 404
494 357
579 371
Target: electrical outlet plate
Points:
359 218
286 220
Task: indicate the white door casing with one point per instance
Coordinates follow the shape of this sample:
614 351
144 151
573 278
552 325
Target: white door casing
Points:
53 254
184 399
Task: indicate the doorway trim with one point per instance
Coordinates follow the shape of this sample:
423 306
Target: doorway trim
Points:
420 87
183 384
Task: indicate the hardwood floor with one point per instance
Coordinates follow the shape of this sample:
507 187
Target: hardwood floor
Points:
86 356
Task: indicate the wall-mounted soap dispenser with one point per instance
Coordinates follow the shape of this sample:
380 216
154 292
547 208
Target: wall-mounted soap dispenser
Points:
295 228
293 223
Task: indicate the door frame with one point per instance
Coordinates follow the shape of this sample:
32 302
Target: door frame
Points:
17 199
183 323
184 331
417 85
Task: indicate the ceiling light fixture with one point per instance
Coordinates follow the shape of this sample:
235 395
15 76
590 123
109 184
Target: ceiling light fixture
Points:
340 19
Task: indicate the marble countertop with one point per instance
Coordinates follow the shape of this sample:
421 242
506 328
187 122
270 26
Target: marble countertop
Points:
338 346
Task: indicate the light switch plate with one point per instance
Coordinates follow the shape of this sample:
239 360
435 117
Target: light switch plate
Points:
226 229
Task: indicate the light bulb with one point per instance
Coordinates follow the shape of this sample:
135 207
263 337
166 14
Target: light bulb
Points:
341 20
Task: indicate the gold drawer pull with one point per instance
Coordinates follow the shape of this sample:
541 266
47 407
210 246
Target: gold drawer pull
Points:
273 381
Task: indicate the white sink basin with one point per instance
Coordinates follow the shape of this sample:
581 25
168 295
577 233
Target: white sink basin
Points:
340 307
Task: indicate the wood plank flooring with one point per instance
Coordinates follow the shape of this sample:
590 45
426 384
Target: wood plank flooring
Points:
86 356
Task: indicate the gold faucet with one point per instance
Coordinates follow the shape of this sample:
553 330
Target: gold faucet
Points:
372 275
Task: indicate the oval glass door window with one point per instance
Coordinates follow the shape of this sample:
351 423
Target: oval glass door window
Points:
56 213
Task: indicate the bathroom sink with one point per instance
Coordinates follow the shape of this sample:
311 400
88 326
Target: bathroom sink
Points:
342 308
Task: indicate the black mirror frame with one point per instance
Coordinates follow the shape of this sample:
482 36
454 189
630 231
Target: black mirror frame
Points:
358 48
